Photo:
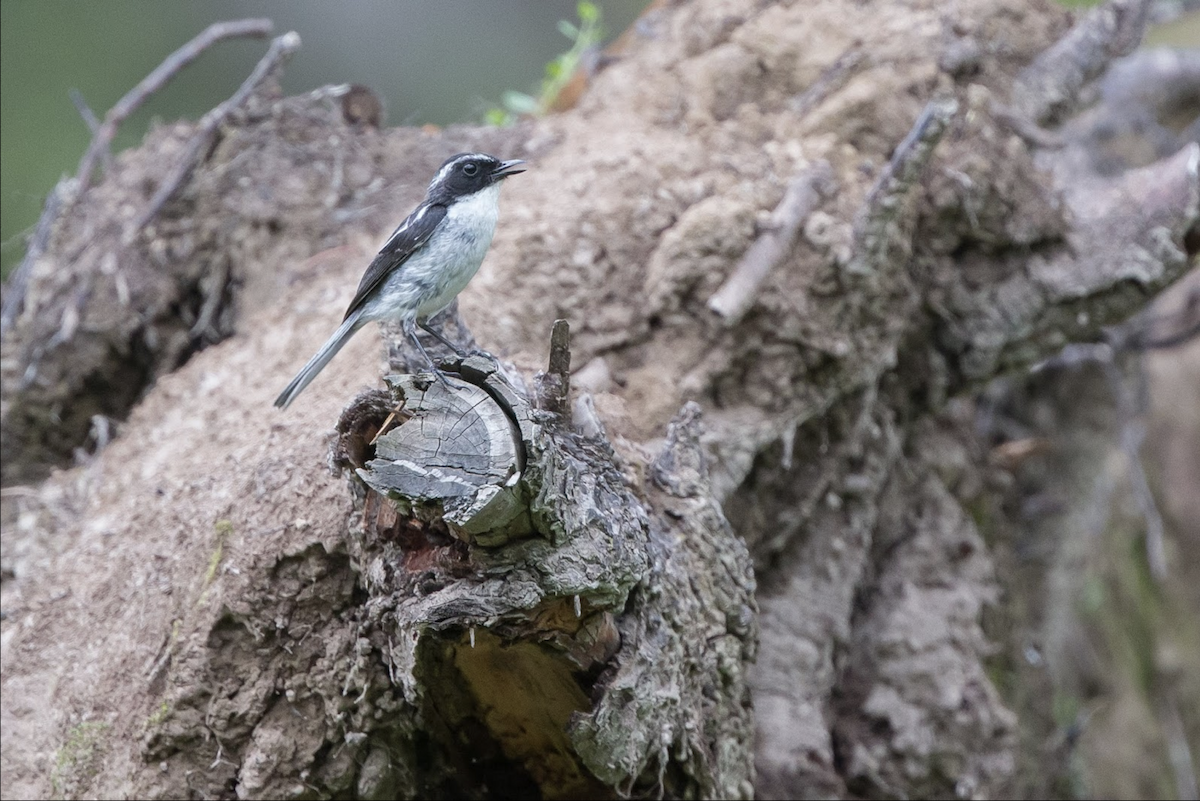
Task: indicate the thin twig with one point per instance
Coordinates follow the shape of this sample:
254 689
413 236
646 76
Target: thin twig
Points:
830 80
19 492
1033 134
1130 415
736 295
1139 334
156 80
884 201
92 122
1181 326
1132 435
1048 89
204 327
14 291
1179 754
102 136
281 48
1075 354
85 111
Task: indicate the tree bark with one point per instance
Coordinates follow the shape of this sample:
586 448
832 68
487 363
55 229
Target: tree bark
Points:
730 540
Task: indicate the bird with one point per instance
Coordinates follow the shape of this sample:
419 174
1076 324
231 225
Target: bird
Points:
427 260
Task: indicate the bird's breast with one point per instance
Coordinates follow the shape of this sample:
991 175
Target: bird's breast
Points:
434 275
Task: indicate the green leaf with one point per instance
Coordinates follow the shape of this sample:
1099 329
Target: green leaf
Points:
519 102
497 117
587 34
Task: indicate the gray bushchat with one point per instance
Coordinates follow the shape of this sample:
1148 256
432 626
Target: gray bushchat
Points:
426 262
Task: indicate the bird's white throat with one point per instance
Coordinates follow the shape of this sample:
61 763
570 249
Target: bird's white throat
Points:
478 211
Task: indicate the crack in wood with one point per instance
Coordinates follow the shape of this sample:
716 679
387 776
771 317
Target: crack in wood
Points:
463 449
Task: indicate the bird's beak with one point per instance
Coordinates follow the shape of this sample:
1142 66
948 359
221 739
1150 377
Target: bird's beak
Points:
508 168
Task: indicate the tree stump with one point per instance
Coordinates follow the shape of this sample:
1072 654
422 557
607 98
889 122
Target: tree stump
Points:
543 609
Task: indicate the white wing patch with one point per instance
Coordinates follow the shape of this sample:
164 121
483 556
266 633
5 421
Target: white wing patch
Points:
402 229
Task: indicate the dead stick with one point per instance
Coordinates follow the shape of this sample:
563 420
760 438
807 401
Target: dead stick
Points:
1181 326
281 48
1131 435
1030 131
834 77
156 80
102 136
554 385
1048 89
1178 752
85 111
91 121
14 290
736 295
884 201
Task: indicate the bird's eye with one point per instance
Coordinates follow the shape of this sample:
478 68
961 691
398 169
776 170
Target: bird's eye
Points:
469 169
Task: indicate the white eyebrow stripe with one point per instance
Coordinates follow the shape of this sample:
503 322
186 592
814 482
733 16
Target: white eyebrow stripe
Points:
444 172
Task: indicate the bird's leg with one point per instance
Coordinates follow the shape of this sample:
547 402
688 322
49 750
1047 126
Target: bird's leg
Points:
412 334
457 350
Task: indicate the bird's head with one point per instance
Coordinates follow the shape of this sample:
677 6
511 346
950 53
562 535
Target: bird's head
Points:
463 175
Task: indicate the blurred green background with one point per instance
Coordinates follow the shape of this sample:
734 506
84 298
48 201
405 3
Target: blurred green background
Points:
442 62
432 62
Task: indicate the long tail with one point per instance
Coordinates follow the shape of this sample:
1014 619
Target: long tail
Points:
317 363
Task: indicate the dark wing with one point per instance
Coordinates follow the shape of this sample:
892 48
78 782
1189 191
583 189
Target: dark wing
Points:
405 241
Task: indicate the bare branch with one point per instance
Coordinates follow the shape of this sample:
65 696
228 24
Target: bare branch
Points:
85 111
737 294
1048 89
156 80
206 322
829 81
1074 355
1124 345
897 179
102 136
14 291
281 48
1178 751
1162 331
1033 134
1128 237
1131 435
